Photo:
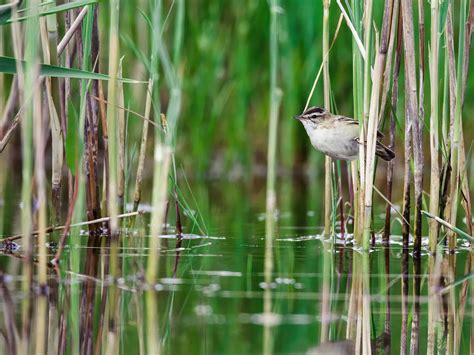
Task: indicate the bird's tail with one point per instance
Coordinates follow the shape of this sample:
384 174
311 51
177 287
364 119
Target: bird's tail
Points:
384 152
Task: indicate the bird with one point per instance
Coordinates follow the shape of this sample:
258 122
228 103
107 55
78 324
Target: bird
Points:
337 136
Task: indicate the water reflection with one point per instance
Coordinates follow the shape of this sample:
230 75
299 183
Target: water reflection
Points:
277 290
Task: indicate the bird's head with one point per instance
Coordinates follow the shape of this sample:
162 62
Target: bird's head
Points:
312 116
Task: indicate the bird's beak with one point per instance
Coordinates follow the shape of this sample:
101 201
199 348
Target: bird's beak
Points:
297 117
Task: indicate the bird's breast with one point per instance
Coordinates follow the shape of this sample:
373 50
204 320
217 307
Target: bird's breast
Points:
338 143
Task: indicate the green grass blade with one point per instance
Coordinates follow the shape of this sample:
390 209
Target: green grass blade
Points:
8 66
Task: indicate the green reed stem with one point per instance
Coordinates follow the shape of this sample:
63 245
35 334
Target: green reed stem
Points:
40 319
457 129
30 87
159 158
275 97
327 104
121 143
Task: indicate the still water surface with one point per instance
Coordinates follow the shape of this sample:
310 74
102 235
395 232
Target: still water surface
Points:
225 290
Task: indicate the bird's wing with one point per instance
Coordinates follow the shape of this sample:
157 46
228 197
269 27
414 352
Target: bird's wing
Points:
344 119
348 120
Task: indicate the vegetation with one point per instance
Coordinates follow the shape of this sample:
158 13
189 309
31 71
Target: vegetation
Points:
108 108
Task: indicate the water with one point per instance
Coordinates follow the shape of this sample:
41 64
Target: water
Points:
227 291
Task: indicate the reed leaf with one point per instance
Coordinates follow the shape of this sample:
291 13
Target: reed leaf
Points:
73 144
8 66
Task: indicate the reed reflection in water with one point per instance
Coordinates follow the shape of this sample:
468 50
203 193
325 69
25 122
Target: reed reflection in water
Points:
281 291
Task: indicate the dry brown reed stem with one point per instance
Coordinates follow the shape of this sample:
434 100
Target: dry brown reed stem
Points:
418 132
327 104
406 185
412 114
48 29
421 60
373 119
434 124
71 30
93 210
92 119
387 75
451 67
396 27
105 142
445 207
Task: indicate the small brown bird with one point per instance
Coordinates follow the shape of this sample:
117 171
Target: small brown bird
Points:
337 136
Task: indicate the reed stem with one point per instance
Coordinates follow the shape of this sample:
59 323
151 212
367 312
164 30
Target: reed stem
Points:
434 125
412 114
465 31
112 116
29 86
396 29
373 121
275 98
161 158
112 206
327 104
